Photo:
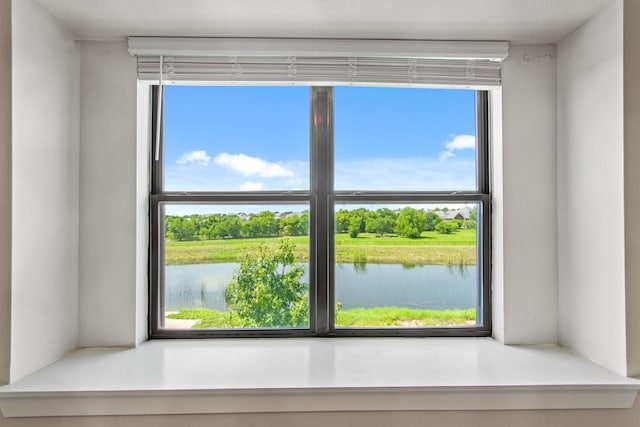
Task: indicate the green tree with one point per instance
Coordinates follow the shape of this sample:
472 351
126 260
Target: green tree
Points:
295 224
355 223
379 222
411 222
342 221
473 214
229 226
267 291
469 224
432 220
180 228
446 227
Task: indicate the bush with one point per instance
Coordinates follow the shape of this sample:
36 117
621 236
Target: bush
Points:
411 222
266 291
469 224
445 227
432 220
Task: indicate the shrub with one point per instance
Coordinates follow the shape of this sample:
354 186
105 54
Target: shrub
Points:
469 224
411 222
445 227
267 291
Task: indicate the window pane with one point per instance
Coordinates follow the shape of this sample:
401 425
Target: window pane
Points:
404 139
400 265
236 266
236 138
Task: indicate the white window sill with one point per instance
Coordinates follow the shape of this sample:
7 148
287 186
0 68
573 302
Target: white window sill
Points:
293 375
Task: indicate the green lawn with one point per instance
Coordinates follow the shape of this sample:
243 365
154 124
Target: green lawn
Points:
357 317
458 248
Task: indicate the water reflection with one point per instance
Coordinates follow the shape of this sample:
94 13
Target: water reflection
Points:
356 285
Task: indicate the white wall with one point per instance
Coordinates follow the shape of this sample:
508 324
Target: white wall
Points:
591 235
45 190
632 181
143 179
108 205
524 178
5 190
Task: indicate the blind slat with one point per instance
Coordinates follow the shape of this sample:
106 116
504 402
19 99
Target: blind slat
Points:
310 70
320 68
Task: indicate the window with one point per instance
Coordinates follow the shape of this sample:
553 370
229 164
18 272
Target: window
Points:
320 211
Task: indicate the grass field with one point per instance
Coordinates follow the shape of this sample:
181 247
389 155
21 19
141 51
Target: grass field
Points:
458 248
357 317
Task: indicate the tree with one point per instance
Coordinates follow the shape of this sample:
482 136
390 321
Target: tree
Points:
263 224
445 227
432 220
473 213
469 224
295 224
355 224
342 221
229 227
379 222
266 291
181 228
411 222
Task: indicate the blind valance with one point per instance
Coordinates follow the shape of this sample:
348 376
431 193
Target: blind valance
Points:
319 61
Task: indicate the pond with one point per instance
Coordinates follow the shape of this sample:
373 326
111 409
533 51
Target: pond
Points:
372 285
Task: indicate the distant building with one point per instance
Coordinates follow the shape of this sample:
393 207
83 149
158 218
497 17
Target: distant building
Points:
462 214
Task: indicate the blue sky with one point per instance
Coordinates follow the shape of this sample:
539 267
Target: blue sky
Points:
239 138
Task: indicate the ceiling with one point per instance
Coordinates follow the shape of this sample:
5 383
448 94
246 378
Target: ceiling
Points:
518 21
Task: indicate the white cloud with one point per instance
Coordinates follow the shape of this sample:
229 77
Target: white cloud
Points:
458 142
197 158
252 166
251 186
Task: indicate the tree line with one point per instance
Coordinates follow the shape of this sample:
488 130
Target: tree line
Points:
235 226
407 222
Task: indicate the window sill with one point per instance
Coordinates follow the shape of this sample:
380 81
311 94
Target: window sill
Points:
295 375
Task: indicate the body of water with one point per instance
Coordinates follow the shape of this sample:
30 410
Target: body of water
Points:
371 285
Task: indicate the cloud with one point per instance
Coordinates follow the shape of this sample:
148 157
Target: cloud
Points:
197 158
251 186
458 142
252 166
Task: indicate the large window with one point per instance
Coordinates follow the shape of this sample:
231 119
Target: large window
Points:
312 210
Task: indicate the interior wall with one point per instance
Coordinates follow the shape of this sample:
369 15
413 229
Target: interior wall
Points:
632 181
591 235
142 208
108 205
5 190
45 76
524 175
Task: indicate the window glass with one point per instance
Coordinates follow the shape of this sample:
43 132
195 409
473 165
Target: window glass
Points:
236 138
236 266
406 265
405 139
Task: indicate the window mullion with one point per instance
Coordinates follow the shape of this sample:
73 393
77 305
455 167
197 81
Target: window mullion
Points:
322 186
482 141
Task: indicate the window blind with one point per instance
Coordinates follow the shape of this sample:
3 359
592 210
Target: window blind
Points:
319 62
